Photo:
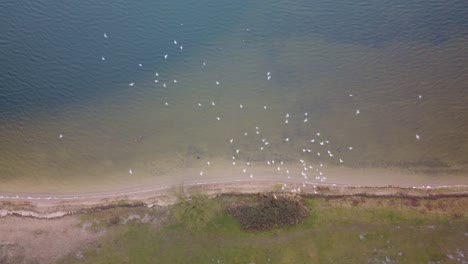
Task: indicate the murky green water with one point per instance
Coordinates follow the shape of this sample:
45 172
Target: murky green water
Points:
404 67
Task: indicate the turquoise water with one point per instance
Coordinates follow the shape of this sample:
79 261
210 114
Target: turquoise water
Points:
68 113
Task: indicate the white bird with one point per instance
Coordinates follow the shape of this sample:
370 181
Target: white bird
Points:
105 35
350 95
166 103
175 81
286 121
265 107
208 163
131 84
237 151
358 112
156 74
181 47
156 81
350 148
420 96
306 114
251 175
241 106
245 134
268 78
204 63
417 137
164 84
268 73
218 118
341 161
175 42
286 139
231 140
102 58
318 134
199 104
165 57
287 115
139 64
130 172
244 170
305 120
201 173
212 103
60 136
217 83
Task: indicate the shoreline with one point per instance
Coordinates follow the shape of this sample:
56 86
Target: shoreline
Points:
109 185
58 207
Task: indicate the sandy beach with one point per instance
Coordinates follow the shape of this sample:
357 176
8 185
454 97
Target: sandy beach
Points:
216 181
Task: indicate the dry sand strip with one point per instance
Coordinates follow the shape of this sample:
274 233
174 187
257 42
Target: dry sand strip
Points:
43 207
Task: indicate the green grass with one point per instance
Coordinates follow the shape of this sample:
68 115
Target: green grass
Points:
201 231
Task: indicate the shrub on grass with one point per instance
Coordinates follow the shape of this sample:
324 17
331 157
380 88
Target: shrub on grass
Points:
270 211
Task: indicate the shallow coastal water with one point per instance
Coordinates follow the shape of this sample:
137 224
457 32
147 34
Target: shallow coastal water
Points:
404 63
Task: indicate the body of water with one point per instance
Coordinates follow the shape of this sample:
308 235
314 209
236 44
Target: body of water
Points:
120 92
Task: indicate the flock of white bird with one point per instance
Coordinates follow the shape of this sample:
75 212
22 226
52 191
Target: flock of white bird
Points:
308 171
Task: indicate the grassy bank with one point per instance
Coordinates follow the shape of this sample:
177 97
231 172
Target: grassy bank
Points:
338 230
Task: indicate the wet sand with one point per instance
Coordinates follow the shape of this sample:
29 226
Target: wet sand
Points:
223 171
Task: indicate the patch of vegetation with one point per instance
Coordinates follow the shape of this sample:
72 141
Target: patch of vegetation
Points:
201 214
270 211
202 230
